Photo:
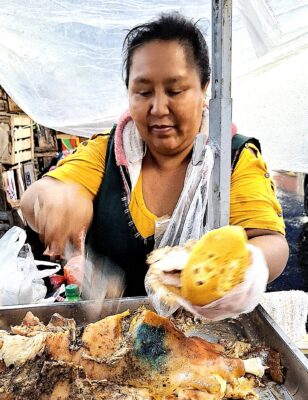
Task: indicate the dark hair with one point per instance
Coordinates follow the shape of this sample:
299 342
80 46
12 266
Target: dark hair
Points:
170 26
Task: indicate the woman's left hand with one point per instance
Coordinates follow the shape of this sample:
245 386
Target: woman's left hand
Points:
243 298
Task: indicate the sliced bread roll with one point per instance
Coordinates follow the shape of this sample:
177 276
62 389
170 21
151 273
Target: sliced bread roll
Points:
217 263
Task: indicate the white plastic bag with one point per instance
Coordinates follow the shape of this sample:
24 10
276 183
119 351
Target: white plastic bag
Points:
20 280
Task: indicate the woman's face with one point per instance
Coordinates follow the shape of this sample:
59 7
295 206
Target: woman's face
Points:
165 97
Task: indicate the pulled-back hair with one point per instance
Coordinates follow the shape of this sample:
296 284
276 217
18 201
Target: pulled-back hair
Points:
169 26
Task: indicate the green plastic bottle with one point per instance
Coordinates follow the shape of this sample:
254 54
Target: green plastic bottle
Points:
72 293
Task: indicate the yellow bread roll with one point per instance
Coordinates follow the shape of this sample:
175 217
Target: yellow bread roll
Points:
217 263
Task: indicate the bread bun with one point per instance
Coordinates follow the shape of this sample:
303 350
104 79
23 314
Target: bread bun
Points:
217 263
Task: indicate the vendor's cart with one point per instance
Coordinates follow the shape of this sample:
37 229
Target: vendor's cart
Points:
256 327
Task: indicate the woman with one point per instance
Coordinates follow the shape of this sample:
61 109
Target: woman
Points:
136 176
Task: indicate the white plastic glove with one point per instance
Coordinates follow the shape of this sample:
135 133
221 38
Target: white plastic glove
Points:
241 299
164 273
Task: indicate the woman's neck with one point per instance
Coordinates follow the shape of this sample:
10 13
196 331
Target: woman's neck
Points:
167 163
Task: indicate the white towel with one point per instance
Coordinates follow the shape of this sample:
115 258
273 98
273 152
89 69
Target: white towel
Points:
289 309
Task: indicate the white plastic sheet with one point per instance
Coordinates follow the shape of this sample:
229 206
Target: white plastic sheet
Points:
270 93
61 60
61 63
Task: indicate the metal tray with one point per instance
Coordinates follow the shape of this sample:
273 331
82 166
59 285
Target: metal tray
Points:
258 327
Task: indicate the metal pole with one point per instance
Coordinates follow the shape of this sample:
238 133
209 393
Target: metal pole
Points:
221 110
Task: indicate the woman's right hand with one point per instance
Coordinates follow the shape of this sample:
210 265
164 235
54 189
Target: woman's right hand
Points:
59 212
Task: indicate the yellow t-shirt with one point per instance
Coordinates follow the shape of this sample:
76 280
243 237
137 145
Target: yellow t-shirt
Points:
253 203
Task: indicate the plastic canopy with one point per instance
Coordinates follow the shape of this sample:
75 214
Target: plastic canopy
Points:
61 62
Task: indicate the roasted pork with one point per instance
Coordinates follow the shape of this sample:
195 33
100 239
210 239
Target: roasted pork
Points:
139 356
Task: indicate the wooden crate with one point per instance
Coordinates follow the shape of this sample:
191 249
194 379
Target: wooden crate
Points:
16 139
5 138
45 139
3 105
7 104
23 144
3 101
3 94
21 120
13 107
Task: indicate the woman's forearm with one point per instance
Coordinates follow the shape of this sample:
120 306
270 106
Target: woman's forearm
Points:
29 198
274 247
58 211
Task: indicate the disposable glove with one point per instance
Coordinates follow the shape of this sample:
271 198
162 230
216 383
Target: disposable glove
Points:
163 284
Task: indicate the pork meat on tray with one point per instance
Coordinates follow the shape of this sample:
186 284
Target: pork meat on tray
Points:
124 356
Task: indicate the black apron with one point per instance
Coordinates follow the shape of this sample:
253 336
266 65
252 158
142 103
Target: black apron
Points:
113 232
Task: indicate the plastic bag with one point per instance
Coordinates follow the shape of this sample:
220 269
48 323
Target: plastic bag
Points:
20 280
187 220
74 270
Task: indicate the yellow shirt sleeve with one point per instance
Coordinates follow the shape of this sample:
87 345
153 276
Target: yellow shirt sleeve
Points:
253 203
86 165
